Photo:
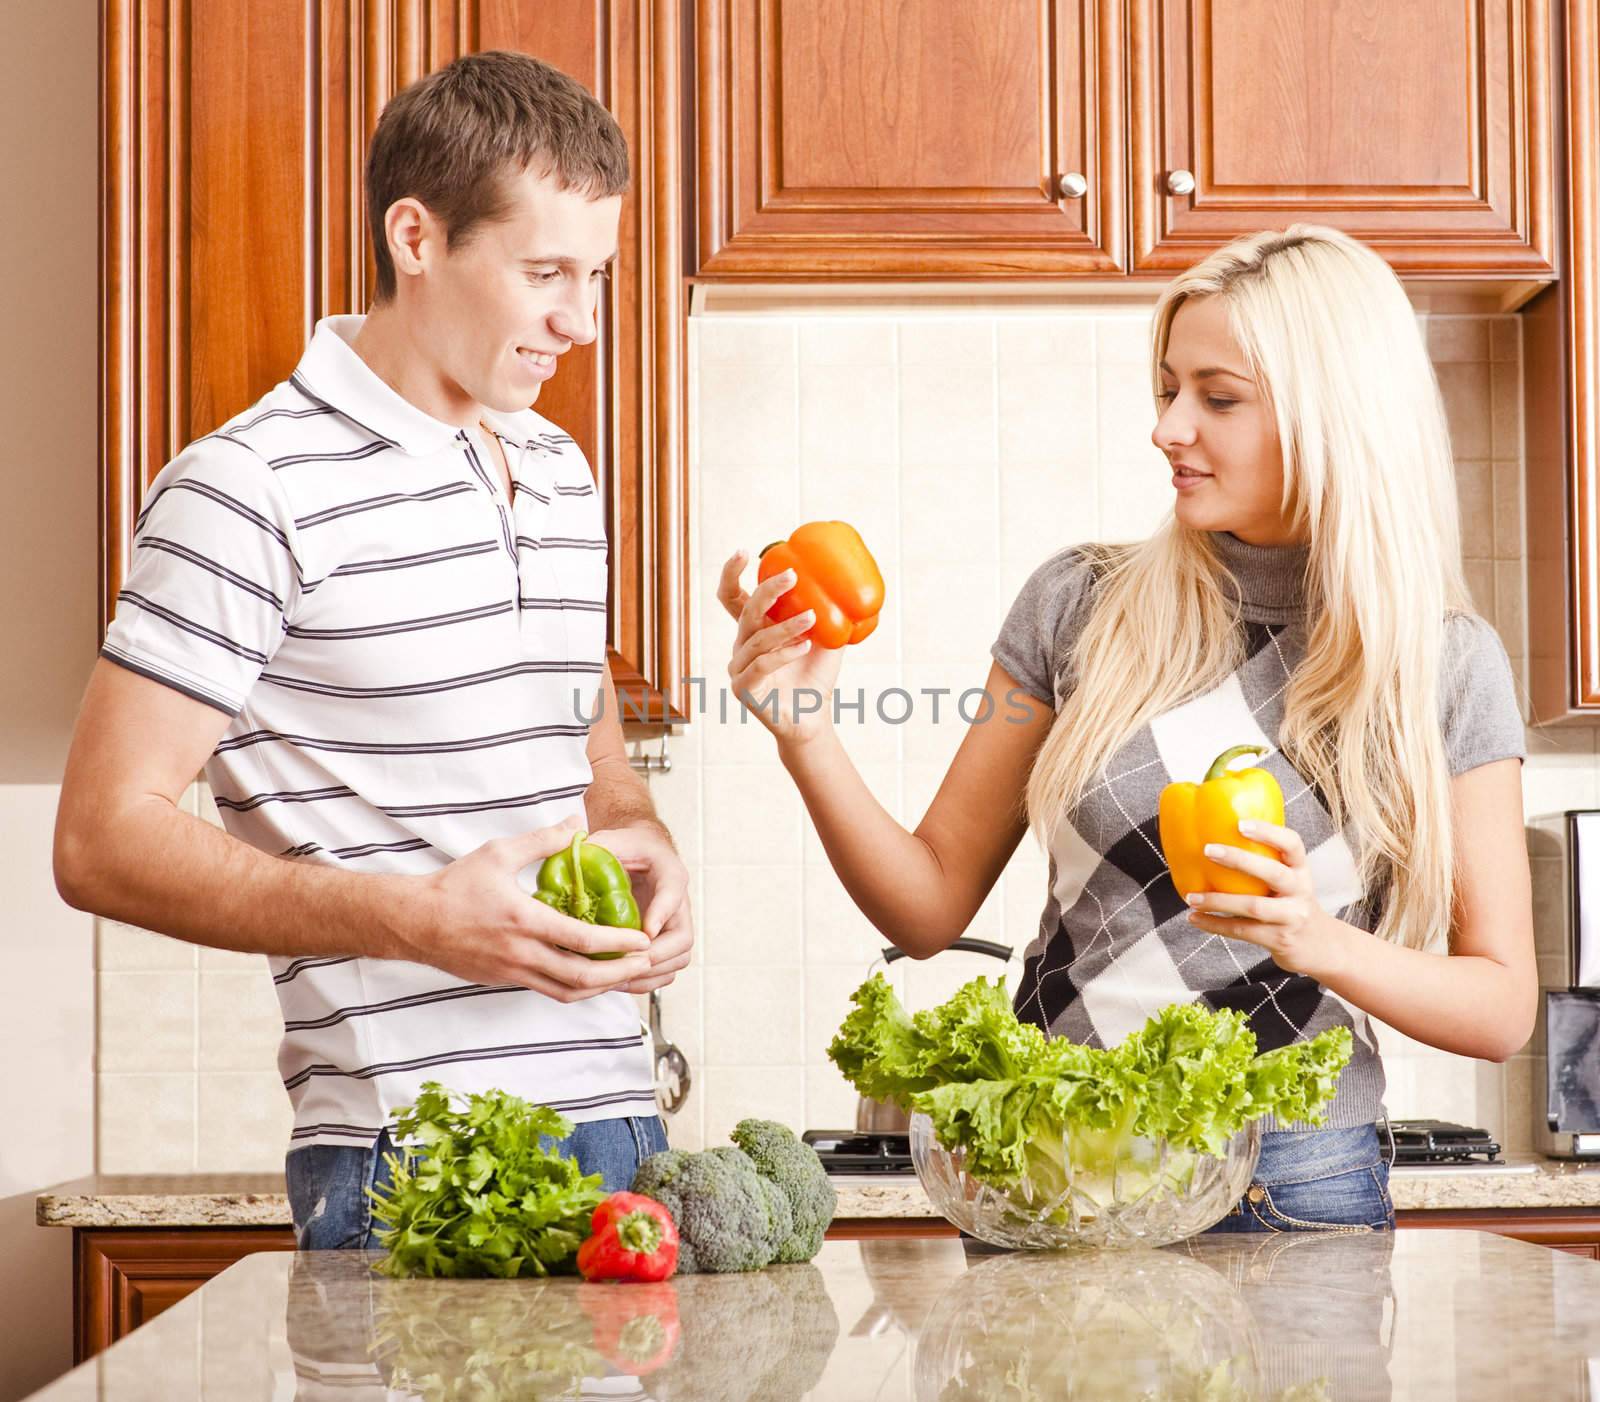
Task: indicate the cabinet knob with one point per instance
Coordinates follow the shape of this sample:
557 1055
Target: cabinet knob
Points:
1180 182
1073 186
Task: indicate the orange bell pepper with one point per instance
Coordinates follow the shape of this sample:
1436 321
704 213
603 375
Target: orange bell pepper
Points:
835 575
1191 815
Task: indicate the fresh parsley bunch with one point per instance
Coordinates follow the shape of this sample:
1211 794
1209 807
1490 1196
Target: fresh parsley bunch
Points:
482 1196
435 1344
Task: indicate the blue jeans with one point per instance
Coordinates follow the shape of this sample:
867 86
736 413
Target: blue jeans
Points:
1316 1181
327 1183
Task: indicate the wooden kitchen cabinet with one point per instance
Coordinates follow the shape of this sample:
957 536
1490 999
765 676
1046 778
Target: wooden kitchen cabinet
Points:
1423 128
914 139
1561 378
1576 1232
235 135
126 1276
909 138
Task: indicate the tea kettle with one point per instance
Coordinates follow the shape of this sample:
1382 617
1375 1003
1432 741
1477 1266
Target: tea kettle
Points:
885 1115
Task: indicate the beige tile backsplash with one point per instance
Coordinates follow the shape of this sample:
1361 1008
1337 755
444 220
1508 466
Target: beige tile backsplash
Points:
967 447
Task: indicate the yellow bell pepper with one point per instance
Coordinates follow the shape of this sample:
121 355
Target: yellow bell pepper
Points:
1192 815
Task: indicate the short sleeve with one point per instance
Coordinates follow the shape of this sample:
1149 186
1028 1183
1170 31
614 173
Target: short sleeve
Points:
1036 639
1478 709
212 579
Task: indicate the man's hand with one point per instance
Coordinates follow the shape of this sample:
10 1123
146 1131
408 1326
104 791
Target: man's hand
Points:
661 886
479 924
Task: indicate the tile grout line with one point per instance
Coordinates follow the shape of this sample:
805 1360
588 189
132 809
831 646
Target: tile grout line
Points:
193 802
897 363
698 477
996 604
800 850
99 1044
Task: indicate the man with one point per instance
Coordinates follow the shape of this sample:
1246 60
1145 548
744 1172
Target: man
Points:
373 607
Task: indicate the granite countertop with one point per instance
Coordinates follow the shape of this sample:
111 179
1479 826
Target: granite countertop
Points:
258 1200
1302 1317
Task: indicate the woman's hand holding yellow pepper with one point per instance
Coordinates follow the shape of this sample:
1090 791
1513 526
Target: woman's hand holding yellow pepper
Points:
1288 923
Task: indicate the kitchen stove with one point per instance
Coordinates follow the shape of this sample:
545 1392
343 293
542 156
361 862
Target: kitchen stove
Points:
855 1151
1437 1141
882 1152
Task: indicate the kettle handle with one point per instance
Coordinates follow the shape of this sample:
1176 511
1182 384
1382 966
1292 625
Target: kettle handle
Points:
1002 952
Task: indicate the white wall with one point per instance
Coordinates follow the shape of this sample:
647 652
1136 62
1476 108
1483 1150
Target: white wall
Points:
48 404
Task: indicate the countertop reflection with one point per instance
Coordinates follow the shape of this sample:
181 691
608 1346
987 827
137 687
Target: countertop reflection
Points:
1417 1315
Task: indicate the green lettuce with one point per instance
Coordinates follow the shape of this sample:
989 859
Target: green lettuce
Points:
1018 1103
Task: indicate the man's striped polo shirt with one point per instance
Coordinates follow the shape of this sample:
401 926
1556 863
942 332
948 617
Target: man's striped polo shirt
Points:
408 661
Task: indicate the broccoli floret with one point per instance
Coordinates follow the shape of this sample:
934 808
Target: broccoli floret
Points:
795 1168
739 1208
770 1339
729 1217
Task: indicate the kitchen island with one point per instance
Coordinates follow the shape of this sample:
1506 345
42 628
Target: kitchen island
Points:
1284 1318
141 1243
1524 1181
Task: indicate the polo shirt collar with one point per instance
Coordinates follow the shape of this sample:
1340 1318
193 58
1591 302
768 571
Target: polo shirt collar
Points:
331 371
522 428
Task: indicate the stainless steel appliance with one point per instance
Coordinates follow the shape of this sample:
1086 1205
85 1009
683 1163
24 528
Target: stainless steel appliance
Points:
1566 1073
888 1152
1566 1041
878 1152
1438 1141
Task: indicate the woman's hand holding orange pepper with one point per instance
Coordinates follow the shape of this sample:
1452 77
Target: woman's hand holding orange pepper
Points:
836 579
776 669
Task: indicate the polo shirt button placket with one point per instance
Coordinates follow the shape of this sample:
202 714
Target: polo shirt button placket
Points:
521 500
544 634
503 515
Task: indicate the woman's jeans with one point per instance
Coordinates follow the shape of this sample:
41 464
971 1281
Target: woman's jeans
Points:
1317 1181
328 1183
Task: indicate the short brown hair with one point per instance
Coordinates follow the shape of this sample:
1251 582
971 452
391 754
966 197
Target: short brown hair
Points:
451 138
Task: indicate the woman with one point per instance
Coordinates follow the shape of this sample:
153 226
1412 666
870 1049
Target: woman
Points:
1306 596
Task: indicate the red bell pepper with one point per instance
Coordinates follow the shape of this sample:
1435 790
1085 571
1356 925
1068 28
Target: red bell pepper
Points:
636 1330
631 1237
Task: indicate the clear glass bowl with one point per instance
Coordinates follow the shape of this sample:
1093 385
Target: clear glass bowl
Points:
1150 1194
1111 1326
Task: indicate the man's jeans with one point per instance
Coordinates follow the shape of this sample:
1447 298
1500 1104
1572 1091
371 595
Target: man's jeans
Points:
327 1184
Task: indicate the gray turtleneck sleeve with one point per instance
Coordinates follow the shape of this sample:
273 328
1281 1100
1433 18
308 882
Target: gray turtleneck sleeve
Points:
1037 637
1478 708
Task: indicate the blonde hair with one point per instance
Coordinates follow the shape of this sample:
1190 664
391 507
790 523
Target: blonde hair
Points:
1333 344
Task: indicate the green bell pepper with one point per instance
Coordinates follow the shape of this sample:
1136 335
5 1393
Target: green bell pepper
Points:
588 883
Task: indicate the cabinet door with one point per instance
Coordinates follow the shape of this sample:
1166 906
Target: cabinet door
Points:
1561 379
124 1277
232 219
909 138
1573 1230
1422 128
